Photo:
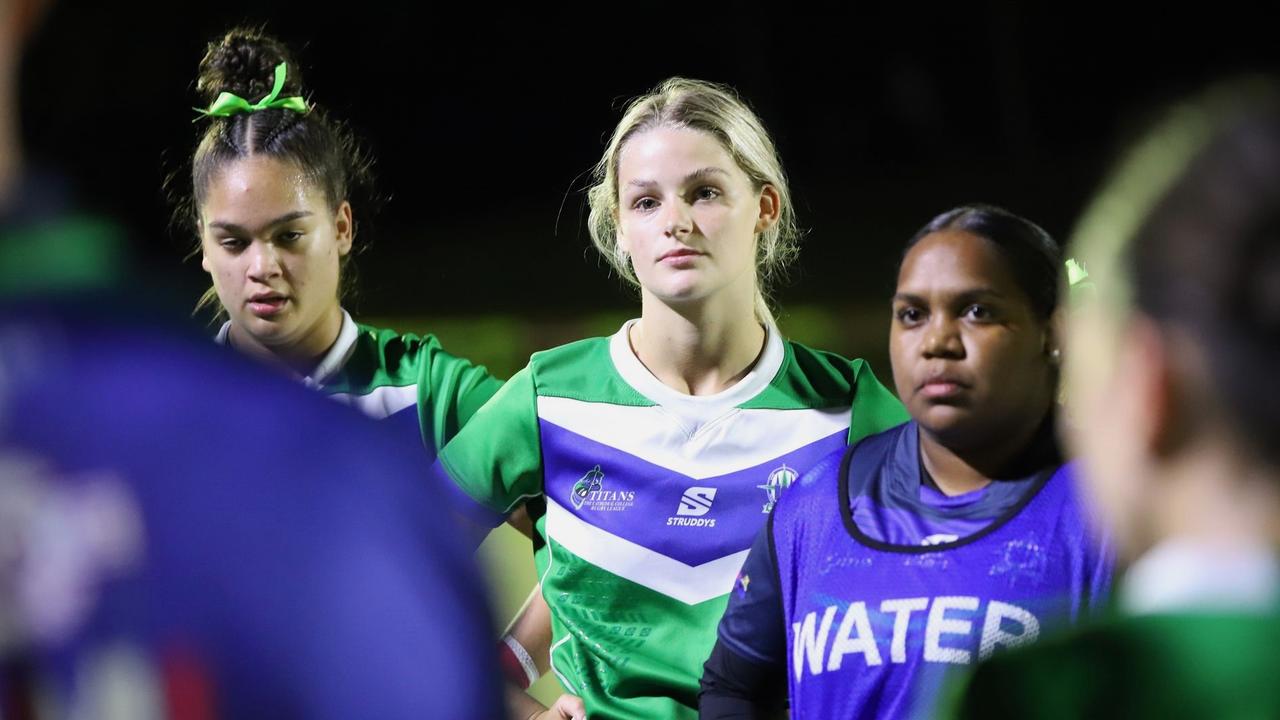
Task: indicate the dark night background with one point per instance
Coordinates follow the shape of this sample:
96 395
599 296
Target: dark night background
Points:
484 122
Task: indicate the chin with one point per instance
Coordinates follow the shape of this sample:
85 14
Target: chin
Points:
267 332
941 416
681 295
951 425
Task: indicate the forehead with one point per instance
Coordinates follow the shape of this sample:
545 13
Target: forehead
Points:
955 261
666 153
259 186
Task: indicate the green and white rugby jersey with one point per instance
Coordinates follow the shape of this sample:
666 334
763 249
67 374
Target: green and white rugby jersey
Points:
407 380
646 500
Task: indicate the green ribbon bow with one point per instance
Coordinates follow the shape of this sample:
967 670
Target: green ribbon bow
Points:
228 104
1076 274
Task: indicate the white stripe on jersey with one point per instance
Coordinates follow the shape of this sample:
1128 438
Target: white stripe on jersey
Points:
381 402
739 439
688 584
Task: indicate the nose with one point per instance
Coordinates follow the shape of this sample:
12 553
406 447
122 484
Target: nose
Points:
679 221
264 263
942 338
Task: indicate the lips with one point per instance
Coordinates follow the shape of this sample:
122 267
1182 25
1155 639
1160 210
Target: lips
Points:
942 386
267 304
680 257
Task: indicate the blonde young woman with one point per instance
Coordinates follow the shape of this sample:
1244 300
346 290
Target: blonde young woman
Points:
648 460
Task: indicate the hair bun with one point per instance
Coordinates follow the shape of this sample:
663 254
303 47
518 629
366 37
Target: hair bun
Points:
243 62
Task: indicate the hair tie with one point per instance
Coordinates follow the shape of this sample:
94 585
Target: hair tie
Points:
228 104
1077 275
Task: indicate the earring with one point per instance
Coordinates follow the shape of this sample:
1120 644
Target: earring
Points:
1055 356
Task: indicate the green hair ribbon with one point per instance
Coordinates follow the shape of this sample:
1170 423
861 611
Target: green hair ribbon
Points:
1076 273
1078 282
228 104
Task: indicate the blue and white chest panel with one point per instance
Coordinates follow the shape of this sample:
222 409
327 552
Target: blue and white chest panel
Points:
635 492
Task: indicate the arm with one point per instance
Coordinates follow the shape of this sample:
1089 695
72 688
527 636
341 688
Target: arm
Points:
525 652
735 687
531 632
524 707
745 677
520 520
458 389
494 464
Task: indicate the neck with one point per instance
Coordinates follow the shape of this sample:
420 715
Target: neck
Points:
961 470
299 357
1214 496
698 348
1210 543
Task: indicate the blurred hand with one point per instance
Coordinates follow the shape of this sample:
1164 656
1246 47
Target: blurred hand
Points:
566 707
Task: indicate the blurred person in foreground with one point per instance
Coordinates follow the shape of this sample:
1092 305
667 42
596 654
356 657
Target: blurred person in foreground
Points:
1176 412
184 535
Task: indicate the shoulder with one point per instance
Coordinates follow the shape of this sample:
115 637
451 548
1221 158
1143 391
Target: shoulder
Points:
821 484
816 488
809 378
1067 477
824 366
1068 494
380 356
823 373
582 370
571 356
878 447
393 345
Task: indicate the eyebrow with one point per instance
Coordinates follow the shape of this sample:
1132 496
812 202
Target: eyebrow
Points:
966 295
701 174
287 217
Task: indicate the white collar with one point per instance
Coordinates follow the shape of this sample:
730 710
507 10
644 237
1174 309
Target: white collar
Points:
1180 575
701 408
332 361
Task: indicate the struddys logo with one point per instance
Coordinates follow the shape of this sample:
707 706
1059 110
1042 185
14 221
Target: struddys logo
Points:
590 492
694 503
779 480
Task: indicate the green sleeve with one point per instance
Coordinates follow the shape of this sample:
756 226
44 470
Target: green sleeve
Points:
875 409
456 387
497 458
